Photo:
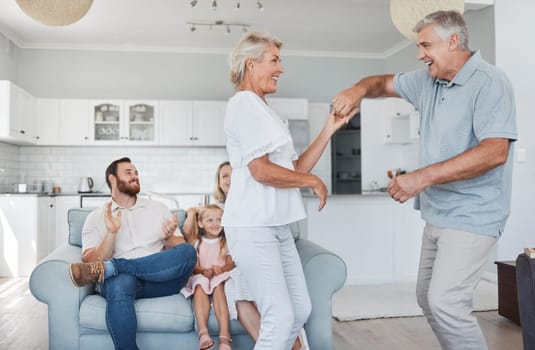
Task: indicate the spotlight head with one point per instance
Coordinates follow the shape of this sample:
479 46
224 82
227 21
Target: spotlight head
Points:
193 3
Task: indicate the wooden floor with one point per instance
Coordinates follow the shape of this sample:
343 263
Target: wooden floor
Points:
24 326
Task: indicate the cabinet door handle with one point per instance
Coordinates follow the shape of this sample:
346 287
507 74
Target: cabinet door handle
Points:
22 132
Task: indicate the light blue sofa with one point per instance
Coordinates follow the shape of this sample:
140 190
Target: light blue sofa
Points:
76 315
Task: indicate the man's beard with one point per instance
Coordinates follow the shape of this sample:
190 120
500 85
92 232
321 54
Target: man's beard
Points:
131 189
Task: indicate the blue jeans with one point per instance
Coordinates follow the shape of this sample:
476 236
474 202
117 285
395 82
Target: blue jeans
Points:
157 275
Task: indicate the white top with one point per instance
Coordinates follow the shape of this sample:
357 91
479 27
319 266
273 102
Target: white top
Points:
254 130
140 233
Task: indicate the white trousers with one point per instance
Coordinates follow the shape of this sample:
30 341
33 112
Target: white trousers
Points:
268 259
451 264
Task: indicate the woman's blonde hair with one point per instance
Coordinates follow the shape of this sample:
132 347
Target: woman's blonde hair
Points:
251 45
219 195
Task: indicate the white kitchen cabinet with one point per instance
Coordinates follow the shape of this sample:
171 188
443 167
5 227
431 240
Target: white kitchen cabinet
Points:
118 122
378 156
289 108
176 125
17 114
74 122
46 223
24 233
378 238
401 121
208 118
48 121
192 123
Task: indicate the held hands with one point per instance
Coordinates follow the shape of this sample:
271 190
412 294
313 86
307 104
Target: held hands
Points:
113 223
346 103
209 272
335 122
217 269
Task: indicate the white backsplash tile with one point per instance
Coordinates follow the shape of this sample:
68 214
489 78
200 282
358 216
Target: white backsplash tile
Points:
9 166
162 169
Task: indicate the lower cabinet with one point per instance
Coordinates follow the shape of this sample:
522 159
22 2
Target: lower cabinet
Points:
26 222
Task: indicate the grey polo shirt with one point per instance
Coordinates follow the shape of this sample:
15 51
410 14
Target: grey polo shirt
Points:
455 116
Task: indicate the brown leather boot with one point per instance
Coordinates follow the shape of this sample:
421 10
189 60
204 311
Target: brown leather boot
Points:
86 273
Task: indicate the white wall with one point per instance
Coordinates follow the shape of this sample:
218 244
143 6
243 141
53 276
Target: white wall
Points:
145 75
8 58
514 54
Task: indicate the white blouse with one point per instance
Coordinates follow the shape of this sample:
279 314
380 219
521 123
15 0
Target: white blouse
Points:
254 130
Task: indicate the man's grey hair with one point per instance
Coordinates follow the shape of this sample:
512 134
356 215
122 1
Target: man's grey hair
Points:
446 23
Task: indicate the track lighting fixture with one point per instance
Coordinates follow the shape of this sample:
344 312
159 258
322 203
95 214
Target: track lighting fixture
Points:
237 4
219 24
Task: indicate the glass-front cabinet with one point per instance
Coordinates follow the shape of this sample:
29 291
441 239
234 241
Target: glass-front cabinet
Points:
141 120
121 122
107 117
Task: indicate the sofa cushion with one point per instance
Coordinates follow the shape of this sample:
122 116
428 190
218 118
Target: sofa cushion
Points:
76 218
164 314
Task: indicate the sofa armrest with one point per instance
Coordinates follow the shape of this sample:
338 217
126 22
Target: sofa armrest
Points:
50 283
325 273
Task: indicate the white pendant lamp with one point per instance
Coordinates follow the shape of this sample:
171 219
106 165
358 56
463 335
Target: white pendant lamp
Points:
55 12
407 13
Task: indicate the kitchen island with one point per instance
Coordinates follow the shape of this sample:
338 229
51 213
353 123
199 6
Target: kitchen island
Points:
378 238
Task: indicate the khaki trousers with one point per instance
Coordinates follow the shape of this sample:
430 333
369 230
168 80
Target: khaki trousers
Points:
451 264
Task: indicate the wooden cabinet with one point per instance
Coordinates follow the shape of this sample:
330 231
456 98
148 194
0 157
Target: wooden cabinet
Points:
74 122
17 114
117 122
507 291
192 123
48 121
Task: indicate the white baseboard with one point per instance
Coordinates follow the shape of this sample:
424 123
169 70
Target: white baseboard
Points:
487 276
490 277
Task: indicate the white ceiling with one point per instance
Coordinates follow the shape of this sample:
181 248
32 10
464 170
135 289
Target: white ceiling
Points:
354 28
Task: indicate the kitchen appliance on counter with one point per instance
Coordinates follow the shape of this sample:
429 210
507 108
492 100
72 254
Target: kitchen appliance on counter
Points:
86 184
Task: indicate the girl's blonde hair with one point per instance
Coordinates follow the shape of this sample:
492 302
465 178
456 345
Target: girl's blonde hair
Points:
219 195
199 232
251 45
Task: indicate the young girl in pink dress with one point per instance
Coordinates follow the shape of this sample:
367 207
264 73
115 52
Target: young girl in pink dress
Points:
209 277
